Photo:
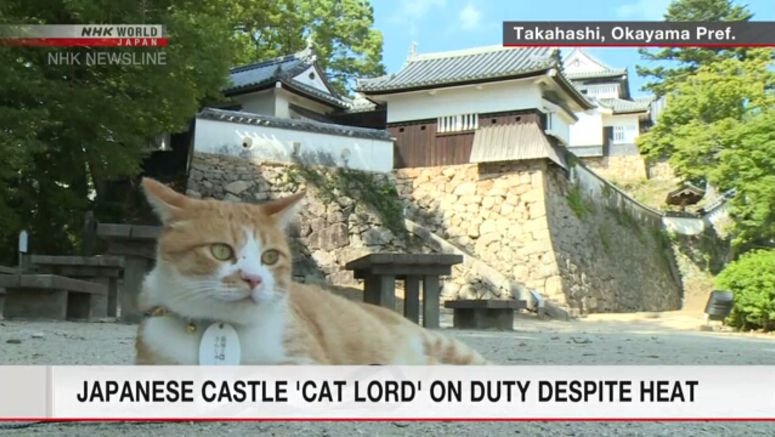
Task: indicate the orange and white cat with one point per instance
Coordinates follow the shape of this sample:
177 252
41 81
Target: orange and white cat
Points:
225 262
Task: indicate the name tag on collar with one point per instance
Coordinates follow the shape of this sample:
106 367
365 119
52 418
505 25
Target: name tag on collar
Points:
220 346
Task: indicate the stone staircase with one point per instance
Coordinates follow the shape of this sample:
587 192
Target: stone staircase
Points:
474 269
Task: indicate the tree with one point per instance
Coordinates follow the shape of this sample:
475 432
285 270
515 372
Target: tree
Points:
690 58
340 31
717 129
752 279
67 130
748 164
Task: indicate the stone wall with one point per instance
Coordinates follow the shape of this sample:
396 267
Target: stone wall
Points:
571 236
660 170
495 212
332 228
619 168
612 253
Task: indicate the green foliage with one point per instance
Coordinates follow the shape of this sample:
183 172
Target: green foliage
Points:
70 131
752 279
690 58
605 239
341 32
73 136
369 190
748 164
576 202
608 192
717 129
717 126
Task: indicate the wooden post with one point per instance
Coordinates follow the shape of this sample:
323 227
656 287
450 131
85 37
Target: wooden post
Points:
134 271
89 234
371 290
430 302
112 297
23 248
379 270
412 298
381 290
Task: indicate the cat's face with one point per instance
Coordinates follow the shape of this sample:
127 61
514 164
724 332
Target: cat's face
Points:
218 257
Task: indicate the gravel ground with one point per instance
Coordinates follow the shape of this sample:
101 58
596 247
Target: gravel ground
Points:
665 338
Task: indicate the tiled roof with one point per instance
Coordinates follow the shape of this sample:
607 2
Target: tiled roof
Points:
269 71
360 104
446 68
605 70
281 69
314 92
596 74
622 106
293 124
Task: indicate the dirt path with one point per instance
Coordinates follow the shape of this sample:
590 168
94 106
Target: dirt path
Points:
654 339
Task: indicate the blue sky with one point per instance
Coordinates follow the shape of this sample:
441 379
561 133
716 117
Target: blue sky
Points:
439 25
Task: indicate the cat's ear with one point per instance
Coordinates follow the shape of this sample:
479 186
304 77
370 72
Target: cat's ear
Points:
165 201
285 208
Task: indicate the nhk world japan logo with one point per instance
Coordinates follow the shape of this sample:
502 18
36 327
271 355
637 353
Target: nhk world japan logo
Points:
84 35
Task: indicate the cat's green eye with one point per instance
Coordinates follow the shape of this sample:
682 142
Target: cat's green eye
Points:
270 257
221 251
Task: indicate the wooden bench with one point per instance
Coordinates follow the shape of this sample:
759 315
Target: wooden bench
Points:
105 269
484 313
4 270
49 296
8 270
381 270
137 245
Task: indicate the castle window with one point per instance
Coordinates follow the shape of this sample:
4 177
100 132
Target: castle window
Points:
549 121
457 123
625 134
607 90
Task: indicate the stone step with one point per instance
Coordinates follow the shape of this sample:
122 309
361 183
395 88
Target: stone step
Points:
477 268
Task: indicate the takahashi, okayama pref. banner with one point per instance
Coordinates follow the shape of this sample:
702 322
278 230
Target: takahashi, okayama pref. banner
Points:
638 33
389 392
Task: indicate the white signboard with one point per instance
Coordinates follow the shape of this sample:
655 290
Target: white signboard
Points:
23 242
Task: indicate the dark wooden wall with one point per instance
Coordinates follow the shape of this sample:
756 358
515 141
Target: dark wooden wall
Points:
419 145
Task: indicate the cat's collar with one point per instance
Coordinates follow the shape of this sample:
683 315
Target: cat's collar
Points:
157 311
160 311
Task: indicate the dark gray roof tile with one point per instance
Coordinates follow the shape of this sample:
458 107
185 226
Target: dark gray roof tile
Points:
597 74
253 75
293 124
446 68
622 106
281 69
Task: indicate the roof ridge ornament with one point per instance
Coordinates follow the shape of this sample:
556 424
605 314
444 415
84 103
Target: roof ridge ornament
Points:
308 53
412 51
411 56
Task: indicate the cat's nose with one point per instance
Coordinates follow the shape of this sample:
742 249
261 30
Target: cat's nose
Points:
251 279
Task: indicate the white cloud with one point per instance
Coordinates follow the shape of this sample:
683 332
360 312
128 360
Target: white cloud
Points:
418 9
470 17
411 12
643 10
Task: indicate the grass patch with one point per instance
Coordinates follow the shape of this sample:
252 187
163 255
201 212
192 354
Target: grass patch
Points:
374 192
650 192
577 203
605 239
